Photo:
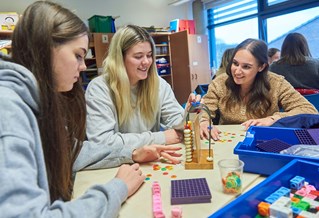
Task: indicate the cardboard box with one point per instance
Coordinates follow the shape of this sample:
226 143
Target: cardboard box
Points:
246 205
266 163
8 20
178 25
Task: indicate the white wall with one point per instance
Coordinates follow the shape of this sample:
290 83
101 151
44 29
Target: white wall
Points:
139 12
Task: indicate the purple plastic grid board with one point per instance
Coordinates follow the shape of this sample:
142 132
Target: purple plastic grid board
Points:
189 191
304 137
274 145
314 135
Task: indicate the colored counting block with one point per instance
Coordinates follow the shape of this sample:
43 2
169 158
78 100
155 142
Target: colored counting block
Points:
303 205
157 201
272 198
297 182
280 211
314 192
294 200
263 209
301 192
283 191
307 214
176 212
283 201
295 210
311 202
311 196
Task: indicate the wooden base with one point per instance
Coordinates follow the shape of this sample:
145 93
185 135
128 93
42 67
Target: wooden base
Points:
202 164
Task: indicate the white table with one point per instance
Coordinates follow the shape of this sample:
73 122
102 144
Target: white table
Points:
140 204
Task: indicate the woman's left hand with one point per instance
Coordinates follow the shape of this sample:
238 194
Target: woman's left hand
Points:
267 121
149 153
192 98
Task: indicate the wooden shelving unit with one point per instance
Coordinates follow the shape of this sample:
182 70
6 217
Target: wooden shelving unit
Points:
98 48
162 44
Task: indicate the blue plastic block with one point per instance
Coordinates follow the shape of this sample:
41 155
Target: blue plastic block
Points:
283 191
297 182
295 210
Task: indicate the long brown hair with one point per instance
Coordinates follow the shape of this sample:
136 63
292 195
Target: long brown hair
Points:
259 102
43 26
294 50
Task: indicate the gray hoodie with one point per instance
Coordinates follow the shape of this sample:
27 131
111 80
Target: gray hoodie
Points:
24 188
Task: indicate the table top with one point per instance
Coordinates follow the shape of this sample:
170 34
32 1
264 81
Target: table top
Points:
140 204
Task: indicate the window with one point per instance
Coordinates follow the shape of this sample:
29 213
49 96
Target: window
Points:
232 21
226 22
273 2
225 35
305 22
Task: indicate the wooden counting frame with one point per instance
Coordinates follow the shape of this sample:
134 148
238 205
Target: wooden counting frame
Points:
199 155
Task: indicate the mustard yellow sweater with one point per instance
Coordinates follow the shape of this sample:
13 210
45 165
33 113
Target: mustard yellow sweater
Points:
283 96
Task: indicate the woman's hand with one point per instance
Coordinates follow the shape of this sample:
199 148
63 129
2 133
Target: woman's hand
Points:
192 98
205 130
153 152
173 136
132 177
267 121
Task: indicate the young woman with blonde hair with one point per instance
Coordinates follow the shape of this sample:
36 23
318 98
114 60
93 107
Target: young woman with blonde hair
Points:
129 104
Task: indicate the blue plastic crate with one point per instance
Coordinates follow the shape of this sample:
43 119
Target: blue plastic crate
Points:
246 204
266 163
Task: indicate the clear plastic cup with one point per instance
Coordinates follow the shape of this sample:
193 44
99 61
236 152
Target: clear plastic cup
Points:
231 172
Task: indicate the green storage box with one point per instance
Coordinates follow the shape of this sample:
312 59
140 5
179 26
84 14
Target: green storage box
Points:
101 24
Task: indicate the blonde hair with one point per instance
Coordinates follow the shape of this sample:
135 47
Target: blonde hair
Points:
117 79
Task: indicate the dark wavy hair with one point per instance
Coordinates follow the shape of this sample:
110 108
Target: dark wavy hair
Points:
259 102
43 26
294 49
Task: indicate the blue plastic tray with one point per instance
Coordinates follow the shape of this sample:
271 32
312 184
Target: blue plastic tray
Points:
246 204
266 163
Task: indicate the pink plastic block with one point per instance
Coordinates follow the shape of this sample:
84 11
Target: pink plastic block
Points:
311 196
176 212
301 192
310 188
157 201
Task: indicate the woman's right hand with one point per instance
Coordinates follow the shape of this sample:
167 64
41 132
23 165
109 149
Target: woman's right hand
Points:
205 130
132 177
173 136
153 152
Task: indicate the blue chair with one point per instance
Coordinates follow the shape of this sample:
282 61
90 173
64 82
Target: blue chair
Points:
313 99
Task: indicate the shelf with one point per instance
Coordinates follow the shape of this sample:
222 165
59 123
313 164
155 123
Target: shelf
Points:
161 55
90 70
161 45
7 32
165 75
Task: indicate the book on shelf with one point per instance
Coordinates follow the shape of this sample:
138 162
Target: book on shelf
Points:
5 43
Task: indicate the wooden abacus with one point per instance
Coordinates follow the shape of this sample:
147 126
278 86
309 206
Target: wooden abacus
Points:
195 156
